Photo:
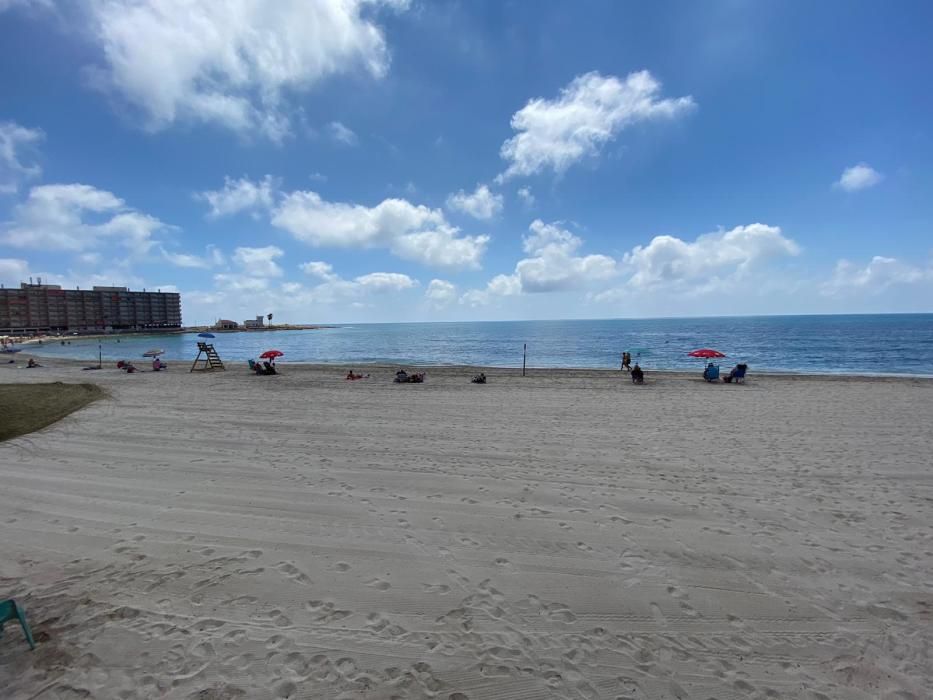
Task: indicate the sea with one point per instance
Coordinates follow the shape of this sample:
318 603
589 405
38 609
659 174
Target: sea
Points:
899 344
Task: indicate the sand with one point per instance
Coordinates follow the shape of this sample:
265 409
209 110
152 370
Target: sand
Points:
565 535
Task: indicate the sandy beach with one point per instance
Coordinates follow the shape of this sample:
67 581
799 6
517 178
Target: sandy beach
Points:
564 535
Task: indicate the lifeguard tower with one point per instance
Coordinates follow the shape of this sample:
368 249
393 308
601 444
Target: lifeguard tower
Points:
210 361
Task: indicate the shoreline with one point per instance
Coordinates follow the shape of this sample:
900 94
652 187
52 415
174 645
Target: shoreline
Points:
495 370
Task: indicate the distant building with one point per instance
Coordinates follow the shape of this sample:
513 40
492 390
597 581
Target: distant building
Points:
34 309
226 325
254 323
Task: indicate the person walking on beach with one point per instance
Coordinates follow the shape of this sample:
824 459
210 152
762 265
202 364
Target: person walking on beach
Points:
626 361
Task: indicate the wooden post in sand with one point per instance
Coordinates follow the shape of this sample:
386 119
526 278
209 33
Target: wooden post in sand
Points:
524 357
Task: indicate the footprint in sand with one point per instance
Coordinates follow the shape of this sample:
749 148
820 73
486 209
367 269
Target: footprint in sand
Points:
341 566
292 572
438 588
379 584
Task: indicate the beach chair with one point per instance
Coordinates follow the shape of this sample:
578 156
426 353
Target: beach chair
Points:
738 375
11 610
711 373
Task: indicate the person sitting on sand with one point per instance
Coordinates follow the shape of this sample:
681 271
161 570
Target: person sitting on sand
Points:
268 368
158 365
638 375
32 363
736 372
416 378
479 378
352 376
401 377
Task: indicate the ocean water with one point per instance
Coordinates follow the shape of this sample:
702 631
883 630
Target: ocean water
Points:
857 344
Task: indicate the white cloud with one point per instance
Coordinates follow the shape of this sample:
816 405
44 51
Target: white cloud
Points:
880 274
321 270
409 231
525 194
212 258
859 177
552 265
13 271
342 134
713 262
590 111
330 291
385 281
231 62
480 204
78 217
240 195
441 292
259 262
15 140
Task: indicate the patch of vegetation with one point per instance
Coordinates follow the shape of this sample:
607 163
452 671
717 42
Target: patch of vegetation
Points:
25 408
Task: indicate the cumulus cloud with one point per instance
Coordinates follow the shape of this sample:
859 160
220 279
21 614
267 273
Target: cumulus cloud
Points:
342 134
858 177
441 292
212 258
589 112
331 288
321 270
877 276
17 144
480 204
259 262
668 261
240 195
13 270
78 217
408 231
231 62
552 265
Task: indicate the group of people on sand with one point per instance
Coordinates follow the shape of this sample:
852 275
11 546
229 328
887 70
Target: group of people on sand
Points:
403 377
351 376
262 368
636 372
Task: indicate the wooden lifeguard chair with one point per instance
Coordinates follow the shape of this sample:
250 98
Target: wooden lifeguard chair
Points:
210 362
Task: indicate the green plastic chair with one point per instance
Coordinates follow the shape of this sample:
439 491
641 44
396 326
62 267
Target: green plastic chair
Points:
11 610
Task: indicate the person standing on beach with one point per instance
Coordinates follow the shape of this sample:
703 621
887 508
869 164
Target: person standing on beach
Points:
626 361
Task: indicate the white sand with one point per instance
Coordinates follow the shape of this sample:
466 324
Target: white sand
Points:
566 535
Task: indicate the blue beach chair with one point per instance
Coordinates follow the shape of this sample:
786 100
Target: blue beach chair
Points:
711 373
11 610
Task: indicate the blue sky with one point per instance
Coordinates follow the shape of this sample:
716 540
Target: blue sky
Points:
389 160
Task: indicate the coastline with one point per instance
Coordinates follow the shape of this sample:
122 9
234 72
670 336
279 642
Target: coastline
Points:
491 370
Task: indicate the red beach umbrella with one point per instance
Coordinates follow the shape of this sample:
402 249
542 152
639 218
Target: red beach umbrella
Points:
271 354
706 353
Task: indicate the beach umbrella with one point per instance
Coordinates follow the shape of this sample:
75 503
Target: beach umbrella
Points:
155 352
706 353
206 335
271 354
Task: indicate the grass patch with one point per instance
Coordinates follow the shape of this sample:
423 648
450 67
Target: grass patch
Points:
25 408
